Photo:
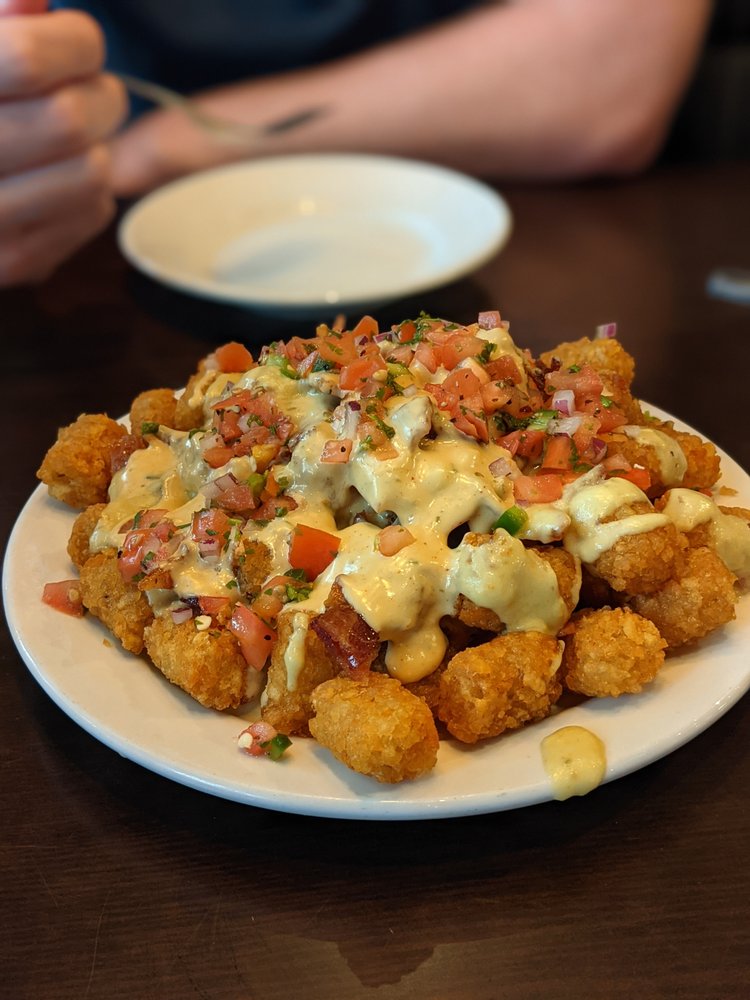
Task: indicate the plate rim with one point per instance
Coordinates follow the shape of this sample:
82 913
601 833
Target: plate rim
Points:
220 292
377 804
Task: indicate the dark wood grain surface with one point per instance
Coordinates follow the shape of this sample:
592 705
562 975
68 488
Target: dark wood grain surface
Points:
117 883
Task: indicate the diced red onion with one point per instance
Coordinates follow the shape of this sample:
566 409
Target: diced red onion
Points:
389 335
489 320
210 547
361 340
605 331
210 490
599 449
564 400
180 615
501 467
225 481
566 425
211 441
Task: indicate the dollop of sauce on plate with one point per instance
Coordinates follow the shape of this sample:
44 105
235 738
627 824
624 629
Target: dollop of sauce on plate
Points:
575 760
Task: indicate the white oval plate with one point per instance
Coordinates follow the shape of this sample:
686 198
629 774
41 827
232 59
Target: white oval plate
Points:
300 233
127 705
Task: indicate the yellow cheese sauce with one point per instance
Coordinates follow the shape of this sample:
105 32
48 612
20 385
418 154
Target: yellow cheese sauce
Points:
438 481
575 761
669 455
728 534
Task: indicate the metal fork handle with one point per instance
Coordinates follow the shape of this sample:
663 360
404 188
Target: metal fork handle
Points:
215 124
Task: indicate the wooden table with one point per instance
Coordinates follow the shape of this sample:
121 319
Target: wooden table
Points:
118 883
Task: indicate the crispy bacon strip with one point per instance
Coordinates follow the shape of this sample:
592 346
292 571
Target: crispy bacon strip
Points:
350 642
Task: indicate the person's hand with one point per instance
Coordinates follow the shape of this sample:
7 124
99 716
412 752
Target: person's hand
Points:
57 109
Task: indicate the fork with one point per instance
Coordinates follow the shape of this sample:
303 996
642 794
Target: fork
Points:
219 127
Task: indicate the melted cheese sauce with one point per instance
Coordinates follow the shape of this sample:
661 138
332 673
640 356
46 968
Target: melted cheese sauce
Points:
669 455
728 534
438 480
575 761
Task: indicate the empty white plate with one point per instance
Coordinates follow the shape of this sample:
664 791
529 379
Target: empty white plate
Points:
298 233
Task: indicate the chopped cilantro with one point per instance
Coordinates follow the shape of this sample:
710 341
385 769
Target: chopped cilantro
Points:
149 427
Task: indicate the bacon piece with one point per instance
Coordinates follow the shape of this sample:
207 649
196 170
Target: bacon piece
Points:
349 641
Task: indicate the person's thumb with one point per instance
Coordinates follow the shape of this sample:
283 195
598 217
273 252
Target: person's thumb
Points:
8 7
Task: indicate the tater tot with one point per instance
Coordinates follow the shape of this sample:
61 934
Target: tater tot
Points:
500 685
699 600
375 726
208 664
603 353
299 663
253 562
80 535
119 605
189 408
610 652
567 569
642 562
703 462
155 406
76 469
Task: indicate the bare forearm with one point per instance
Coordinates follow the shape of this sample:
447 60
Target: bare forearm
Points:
532 88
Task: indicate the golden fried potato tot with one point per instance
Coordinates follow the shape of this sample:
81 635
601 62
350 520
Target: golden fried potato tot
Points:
473 616
189 408
640 453
288 707
500 685
76 469
208 665
604 353
375 726
617 388
83 527
119 605
610 652
460 636
253 562
699 600
703 462
155 406
641 563
567 569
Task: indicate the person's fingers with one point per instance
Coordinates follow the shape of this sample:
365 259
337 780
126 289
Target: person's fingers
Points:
158 147
22 7
29 198
41 130
38 54
33 254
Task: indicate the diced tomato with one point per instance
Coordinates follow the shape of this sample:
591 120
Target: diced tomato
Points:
217 456
272 507
537 489
138 553
504 368
312 550
210 526
336 451
267 606
367 327
585 383
237 498
425 355
394 538
338 348
123 449
233 357
64 596
407 331
457 348
256 639
494 396
639 476
526 443
557 452
212 605
357 372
